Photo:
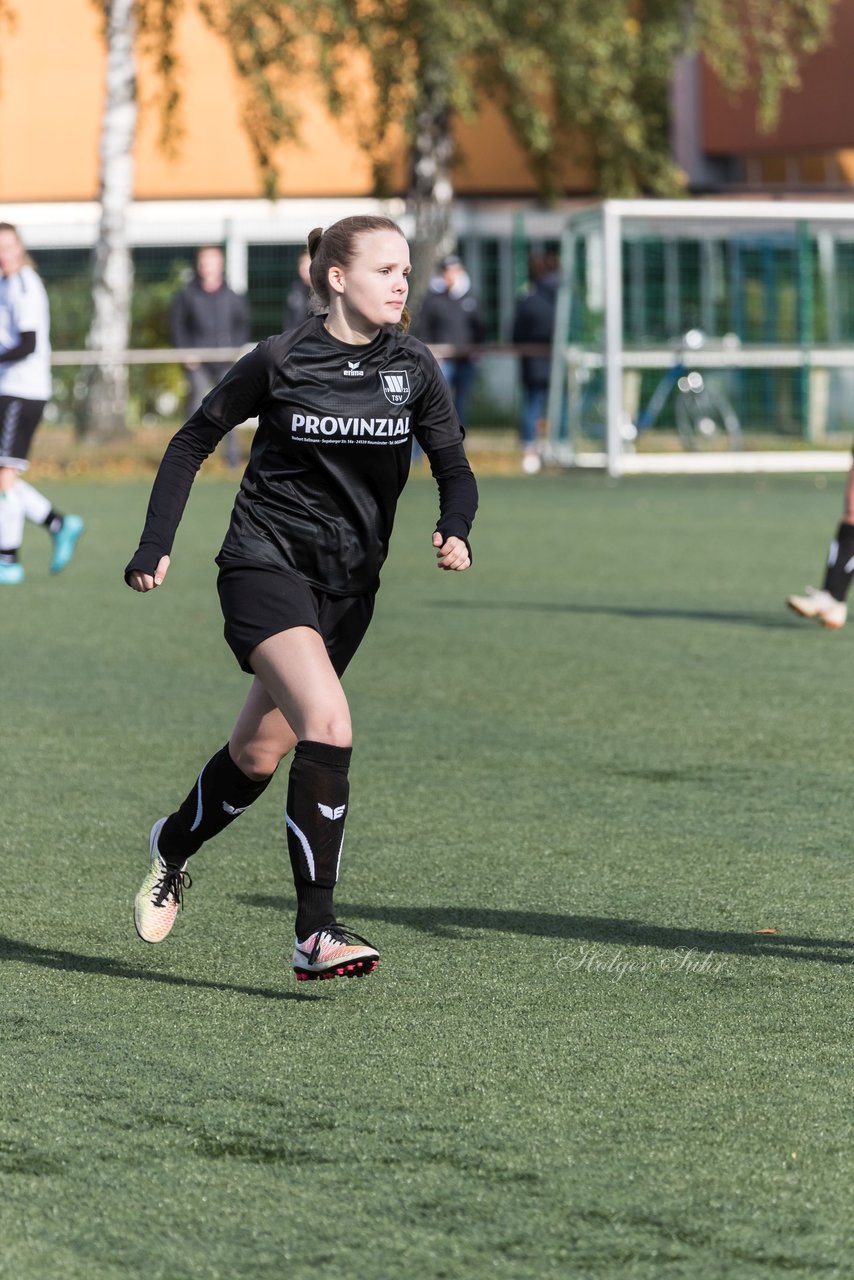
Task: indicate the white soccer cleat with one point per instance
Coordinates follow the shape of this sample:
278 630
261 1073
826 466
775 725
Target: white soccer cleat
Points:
821 606
334 952
161 893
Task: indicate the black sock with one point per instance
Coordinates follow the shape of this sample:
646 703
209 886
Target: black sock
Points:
221 794
318 791
9 557
53 521
840 562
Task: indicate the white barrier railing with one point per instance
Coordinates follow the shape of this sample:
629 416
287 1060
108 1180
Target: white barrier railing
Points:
221 355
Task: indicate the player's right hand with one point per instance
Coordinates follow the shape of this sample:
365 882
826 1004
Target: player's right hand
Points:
147 581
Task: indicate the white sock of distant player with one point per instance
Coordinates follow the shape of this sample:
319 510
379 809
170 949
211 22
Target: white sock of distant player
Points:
35 505
11 523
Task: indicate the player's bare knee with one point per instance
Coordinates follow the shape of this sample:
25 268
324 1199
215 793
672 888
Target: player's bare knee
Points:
256 761
334 729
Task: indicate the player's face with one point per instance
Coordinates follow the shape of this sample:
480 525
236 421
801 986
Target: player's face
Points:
374 287
11 253
210 264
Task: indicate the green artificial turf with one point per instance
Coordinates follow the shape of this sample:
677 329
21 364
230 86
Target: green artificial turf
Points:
586 774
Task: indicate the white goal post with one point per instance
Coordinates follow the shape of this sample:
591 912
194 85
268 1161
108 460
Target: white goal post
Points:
751 300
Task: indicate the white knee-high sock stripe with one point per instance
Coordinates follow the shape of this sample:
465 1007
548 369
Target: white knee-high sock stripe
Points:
849 565
199 807
36 506
338 863
832 553
11 519
306 847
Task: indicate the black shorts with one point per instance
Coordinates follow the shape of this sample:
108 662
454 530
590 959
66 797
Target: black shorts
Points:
18 421
259 601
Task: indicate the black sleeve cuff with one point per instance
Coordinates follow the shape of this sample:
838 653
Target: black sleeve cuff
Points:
452 533
144 560
457 492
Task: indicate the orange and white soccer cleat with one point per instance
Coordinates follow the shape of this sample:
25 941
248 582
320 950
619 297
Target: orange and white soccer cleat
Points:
334 952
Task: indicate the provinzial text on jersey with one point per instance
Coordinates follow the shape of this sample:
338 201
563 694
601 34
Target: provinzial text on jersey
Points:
309 424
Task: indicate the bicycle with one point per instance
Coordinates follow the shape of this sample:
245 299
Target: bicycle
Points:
704 415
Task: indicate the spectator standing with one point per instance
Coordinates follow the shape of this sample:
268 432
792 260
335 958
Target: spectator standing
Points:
25 388
207 313
534 324
298 303
450 316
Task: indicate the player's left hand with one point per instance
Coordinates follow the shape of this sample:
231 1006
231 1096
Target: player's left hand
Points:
452 553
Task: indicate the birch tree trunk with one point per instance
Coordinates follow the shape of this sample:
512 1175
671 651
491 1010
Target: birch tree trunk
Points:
104 411
431 188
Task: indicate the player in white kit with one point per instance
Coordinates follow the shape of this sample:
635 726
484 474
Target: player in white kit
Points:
25 388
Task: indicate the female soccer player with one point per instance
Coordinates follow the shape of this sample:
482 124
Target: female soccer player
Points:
24 390
339 400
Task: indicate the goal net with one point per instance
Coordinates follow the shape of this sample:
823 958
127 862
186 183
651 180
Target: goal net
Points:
704 335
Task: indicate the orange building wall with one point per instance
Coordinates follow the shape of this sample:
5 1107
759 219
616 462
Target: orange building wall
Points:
50 94
820 116
51 86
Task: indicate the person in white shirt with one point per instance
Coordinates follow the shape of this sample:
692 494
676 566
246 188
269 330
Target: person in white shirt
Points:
25 388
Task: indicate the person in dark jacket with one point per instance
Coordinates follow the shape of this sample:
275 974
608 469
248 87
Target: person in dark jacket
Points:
533 324
207 313
450 316
298 301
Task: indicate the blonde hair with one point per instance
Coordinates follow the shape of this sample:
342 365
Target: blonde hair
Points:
26 260
336 247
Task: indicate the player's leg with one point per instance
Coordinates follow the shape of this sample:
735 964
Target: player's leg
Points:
465 373
11 527
64 530
533 409
297 672
828 606
196 389
19 420
231 781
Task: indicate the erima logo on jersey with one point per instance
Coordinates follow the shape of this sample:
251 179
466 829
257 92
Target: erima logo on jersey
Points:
329 812
310 424
353 370
395 384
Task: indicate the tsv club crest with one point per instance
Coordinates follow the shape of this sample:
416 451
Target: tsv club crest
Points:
395 385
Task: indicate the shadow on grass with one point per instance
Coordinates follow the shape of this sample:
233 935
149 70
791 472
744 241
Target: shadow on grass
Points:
70 961
455 922
771 621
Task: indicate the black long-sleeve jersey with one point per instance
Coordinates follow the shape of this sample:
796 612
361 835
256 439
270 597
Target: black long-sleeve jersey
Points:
329 459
